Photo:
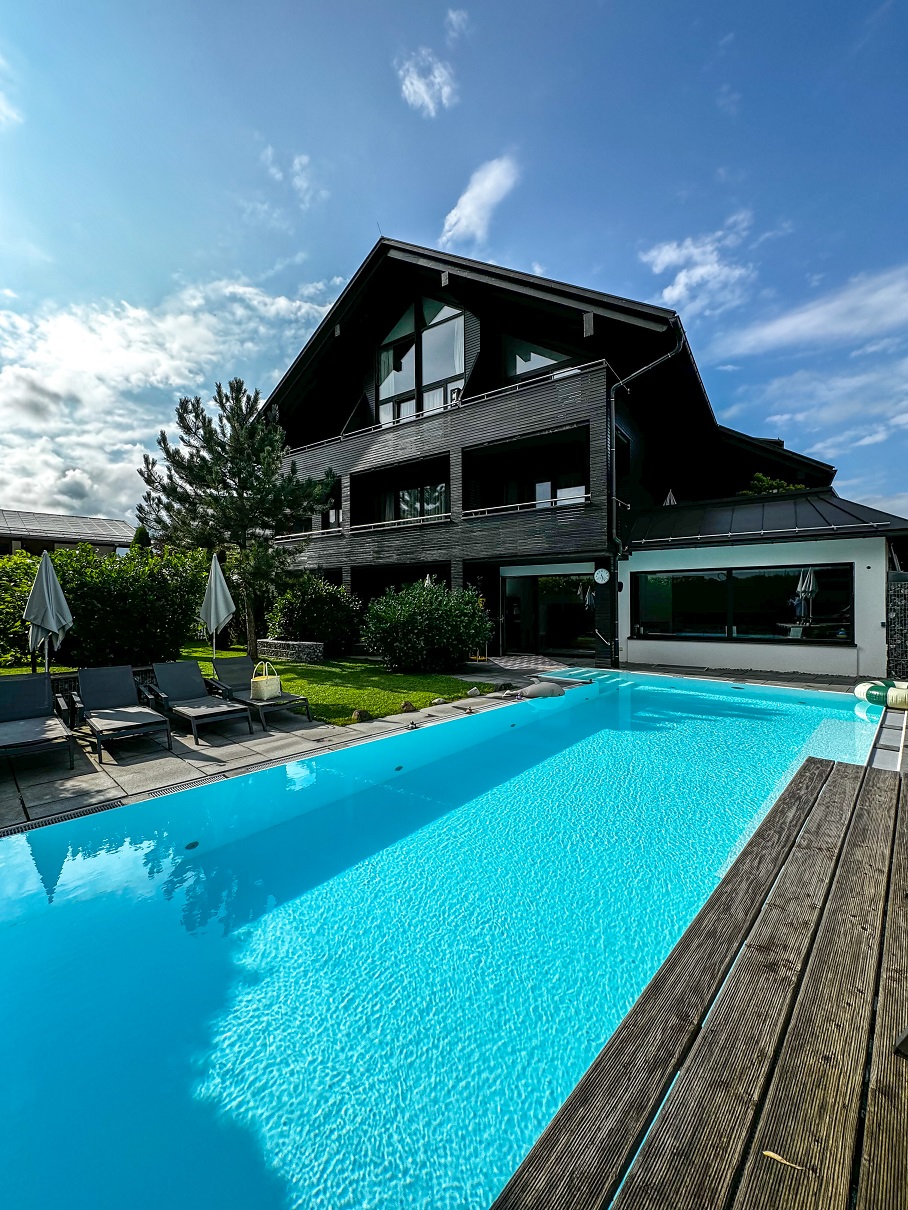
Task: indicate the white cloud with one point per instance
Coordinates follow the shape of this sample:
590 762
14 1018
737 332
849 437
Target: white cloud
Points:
302 183
708 280
728 100
489 185
868 307
457 23
270 165
9 115
258 213
426 82
833 412
85 388
537 268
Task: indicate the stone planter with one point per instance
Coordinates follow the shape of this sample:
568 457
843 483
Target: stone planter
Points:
284 649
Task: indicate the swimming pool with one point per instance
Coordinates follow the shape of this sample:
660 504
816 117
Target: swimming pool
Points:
377 973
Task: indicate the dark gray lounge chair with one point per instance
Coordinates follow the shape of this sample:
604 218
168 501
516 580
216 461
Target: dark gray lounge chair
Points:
108 700
233 680
182 691
27 719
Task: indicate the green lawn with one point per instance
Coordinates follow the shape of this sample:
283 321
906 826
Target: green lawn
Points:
338 687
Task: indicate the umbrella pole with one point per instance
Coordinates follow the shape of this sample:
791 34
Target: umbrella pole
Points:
47 656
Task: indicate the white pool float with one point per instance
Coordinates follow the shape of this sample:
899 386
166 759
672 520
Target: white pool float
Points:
884 693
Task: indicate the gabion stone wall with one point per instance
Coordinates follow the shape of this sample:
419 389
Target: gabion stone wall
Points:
898 629
301 653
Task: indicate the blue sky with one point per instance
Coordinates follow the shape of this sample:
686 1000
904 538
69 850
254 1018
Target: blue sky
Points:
184 188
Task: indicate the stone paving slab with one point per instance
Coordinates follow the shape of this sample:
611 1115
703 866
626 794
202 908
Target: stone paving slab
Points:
89 790
11 810
34 768
153 774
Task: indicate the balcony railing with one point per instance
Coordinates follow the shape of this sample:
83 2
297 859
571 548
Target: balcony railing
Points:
400 523
512 389
528 506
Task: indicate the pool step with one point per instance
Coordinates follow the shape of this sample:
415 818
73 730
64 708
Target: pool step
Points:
890 744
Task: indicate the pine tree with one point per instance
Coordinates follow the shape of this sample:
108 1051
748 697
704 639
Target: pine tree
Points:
224 486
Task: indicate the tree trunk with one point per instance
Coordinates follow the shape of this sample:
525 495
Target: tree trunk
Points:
251 640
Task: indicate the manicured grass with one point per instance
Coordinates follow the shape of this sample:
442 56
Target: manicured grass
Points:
338 687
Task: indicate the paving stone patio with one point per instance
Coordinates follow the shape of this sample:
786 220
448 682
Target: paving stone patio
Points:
37 788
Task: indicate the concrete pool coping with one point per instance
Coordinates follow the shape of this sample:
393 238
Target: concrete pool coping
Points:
38 789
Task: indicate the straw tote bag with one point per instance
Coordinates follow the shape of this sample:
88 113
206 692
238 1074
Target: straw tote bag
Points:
267 685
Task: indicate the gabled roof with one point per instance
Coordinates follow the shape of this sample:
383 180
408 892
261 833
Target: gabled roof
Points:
740 520
58 528
609 306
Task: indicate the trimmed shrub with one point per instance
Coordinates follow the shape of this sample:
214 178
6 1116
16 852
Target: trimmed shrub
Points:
131 609
314 610
17 574
425 627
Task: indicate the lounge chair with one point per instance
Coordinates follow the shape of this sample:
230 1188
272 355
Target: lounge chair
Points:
233 680
182 692
27 719
108 700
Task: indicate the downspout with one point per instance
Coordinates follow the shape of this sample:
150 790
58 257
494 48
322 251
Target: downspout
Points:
613 540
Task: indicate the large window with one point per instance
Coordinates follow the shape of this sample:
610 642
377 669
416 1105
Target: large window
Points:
522 357
420 363
410 503
750 604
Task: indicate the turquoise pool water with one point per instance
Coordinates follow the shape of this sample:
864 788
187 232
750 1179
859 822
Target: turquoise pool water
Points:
378 973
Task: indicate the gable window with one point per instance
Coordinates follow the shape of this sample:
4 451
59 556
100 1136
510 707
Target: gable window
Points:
421 363
522 357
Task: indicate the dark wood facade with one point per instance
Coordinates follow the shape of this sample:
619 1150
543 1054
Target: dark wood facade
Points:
663 435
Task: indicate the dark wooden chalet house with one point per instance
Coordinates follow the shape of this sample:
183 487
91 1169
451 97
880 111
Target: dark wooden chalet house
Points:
555 447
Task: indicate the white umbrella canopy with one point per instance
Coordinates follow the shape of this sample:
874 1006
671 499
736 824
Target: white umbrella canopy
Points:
808 587
217 607
46 610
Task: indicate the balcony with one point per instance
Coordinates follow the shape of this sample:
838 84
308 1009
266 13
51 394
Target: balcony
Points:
579 500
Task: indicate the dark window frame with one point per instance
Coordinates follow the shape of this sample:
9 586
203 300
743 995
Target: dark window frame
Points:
453 385
571 360
729 636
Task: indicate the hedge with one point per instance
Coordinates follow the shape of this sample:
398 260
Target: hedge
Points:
313 609
129 609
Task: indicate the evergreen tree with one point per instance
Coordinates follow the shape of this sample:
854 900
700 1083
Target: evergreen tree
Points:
763 485
224 486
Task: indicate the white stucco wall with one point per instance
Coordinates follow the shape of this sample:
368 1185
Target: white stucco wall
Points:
866 658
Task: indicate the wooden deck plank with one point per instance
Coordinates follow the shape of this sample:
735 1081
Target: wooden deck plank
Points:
883 1173
582 1155
810 1114
691 1156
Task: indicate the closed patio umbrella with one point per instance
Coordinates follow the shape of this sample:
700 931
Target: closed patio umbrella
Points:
808 587
218 607
46 611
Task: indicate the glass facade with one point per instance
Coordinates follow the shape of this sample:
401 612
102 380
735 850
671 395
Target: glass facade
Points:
523 357
750 604
421 363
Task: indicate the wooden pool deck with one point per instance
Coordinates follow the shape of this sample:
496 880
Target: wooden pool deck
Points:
758 1068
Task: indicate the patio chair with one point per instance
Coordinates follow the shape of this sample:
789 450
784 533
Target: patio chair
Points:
233 680
181 690
27 719
108 701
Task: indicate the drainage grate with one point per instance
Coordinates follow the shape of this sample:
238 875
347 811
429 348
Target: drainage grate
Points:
180 785
29 825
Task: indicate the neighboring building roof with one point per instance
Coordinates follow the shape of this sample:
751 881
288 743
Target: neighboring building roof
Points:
739 520
58 528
